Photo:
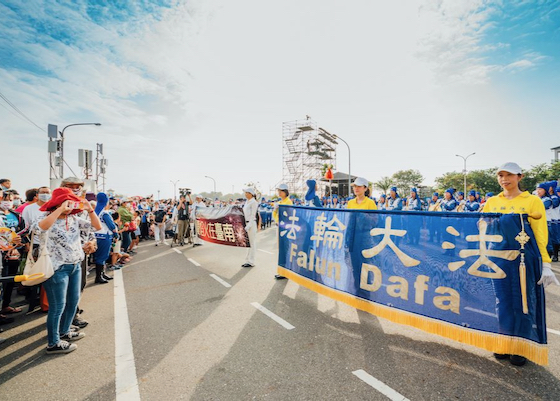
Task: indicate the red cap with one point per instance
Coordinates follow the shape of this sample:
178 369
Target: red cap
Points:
59 196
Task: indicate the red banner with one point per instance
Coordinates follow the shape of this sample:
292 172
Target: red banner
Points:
222 225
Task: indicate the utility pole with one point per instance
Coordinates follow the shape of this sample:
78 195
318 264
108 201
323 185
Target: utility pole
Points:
174 189
465 170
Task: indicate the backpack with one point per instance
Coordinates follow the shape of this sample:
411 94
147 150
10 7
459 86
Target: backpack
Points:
159 215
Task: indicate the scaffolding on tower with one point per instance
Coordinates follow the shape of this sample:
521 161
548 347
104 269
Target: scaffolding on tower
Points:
306 150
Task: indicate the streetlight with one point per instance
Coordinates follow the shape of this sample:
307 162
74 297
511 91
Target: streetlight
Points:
214 183
465 169
174 188
62 144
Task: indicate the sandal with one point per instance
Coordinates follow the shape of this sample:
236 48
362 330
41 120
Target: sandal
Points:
9 310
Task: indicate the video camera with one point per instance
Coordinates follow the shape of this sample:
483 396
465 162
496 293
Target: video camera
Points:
185 191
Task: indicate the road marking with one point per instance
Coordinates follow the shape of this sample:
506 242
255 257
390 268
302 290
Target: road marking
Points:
178 251
481 311
166 243
379 386
219 280
262 250
553 331
273 316
194 262
126 382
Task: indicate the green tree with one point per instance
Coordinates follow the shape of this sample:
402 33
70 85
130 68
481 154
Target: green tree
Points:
452 179
406 179
384 184
483 181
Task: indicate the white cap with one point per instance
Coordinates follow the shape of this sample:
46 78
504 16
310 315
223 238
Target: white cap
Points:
198 197
250 190
510 168
360 182
282 187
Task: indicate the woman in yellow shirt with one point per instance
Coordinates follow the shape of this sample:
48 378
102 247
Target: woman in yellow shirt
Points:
361 201
513 200
284 194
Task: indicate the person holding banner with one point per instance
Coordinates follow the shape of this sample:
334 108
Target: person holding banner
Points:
362 200
449 204
514 200
555 214
284 195
250 210
198 203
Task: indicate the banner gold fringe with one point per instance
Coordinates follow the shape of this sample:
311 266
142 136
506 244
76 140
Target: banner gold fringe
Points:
493 342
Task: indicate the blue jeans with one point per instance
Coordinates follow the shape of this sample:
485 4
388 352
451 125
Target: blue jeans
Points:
126 240
63 293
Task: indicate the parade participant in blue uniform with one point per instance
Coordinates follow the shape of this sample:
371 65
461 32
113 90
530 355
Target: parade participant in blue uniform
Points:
394 202
555 198
434 222
461 201
478 198
382 202
449 204
413 204
472 205
311 198
104 238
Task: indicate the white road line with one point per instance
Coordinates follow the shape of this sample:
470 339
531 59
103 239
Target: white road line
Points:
178 251
262 250
194 262
126 382
166 243
379 386
219 280
481 311
553 331
273 316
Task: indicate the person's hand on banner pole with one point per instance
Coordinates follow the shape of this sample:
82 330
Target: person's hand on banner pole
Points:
548 276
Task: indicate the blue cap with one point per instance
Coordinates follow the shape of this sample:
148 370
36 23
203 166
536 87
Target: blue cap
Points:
472 193
490 194
461 193
543 185
414 190
450 191
394 189
477 193
435 194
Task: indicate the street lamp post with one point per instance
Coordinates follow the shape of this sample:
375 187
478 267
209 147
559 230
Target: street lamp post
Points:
465 169
62 144
214 183
349 164
158 195
174 189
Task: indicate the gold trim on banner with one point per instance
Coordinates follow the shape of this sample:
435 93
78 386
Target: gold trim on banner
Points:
493 342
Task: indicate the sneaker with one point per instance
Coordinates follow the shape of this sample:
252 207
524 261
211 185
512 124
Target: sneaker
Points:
63 347
79 322
73 336
501 356
74 328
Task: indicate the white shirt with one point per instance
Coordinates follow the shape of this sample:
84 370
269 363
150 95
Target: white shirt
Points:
64 241
193 209
250 211
31 213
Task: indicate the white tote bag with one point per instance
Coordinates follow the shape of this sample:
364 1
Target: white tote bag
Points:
41 267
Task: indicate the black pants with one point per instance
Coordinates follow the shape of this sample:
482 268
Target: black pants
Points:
10 268
144 230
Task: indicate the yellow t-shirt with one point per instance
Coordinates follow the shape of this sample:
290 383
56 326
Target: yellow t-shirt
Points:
367 204
528 204
286 201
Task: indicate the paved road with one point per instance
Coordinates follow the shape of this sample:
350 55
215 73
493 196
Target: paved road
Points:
193 337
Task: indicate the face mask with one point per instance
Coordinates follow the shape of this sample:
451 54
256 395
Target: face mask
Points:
6 205
45 197
76 191
4 188
17 203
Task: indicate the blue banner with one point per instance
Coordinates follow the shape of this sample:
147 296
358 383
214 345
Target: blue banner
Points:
458 275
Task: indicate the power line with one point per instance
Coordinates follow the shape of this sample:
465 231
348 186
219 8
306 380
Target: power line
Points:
13 106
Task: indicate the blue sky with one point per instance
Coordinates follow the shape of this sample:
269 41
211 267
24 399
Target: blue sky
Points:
188 89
